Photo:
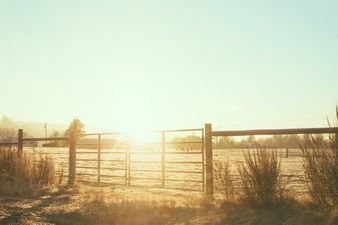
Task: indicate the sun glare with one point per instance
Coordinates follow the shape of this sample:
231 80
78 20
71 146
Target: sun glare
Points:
139 136
140 131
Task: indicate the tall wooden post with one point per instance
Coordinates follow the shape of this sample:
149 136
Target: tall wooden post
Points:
72 158
203 162
287 153
128 160
99 158
208 160
20 141
163 158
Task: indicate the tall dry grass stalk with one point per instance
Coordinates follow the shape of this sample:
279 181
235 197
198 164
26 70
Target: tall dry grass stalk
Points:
25 174
321 169
261 178
224 180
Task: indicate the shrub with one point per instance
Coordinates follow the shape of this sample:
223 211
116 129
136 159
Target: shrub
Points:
224 180
321 169
25 174
261 177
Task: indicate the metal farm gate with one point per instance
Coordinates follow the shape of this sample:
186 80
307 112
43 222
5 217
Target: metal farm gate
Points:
173 159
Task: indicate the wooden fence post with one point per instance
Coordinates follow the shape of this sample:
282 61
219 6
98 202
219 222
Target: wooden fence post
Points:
203 161
20 141
99 158
128 159
72 158
163 159
287 153
208 160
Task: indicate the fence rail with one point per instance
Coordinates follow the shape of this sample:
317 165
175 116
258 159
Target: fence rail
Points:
276 131
46 139
8 143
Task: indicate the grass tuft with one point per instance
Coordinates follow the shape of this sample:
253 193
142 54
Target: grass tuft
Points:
321 169
25 174
261 178
224 180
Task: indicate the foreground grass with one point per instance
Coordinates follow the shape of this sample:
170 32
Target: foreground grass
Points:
87 205
26 175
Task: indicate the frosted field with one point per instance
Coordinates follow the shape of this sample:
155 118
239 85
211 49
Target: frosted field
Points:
291 166
145 169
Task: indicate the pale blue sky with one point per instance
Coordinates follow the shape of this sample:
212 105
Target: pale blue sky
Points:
170 64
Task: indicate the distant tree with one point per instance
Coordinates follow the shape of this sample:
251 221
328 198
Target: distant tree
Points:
278 141
55 133
250 141
7 134
77 126
224 142
6 122
181 145
54 143
293 141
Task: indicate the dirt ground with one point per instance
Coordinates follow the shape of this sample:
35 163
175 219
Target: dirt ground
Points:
106 205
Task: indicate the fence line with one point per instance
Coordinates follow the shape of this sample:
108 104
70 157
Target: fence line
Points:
206 151
209 133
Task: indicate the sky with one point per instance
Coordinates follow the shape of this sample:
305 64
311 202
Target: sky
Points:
127 65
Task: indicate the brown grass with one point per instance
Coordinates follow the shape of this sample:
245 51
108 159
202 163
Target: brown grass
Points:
261 178
78 206
321 169
224 180
25 174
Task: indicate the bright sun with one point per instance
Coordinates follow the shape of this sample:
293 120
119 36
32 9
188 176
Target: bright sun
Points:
141 130
140 136
138 110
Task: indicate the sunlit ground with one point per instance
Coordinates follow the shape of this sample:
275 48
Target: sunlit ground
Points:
84 205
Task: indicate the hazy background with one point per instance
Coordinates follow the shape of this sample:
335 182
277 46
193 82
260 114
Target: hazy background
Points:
169 64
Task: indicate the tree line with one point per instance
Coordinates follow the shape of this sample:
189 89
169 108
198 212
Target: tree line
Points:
275 141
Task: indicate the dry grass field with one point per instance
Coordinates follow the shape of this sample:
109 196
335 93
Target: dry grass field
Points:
89 203
82 205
